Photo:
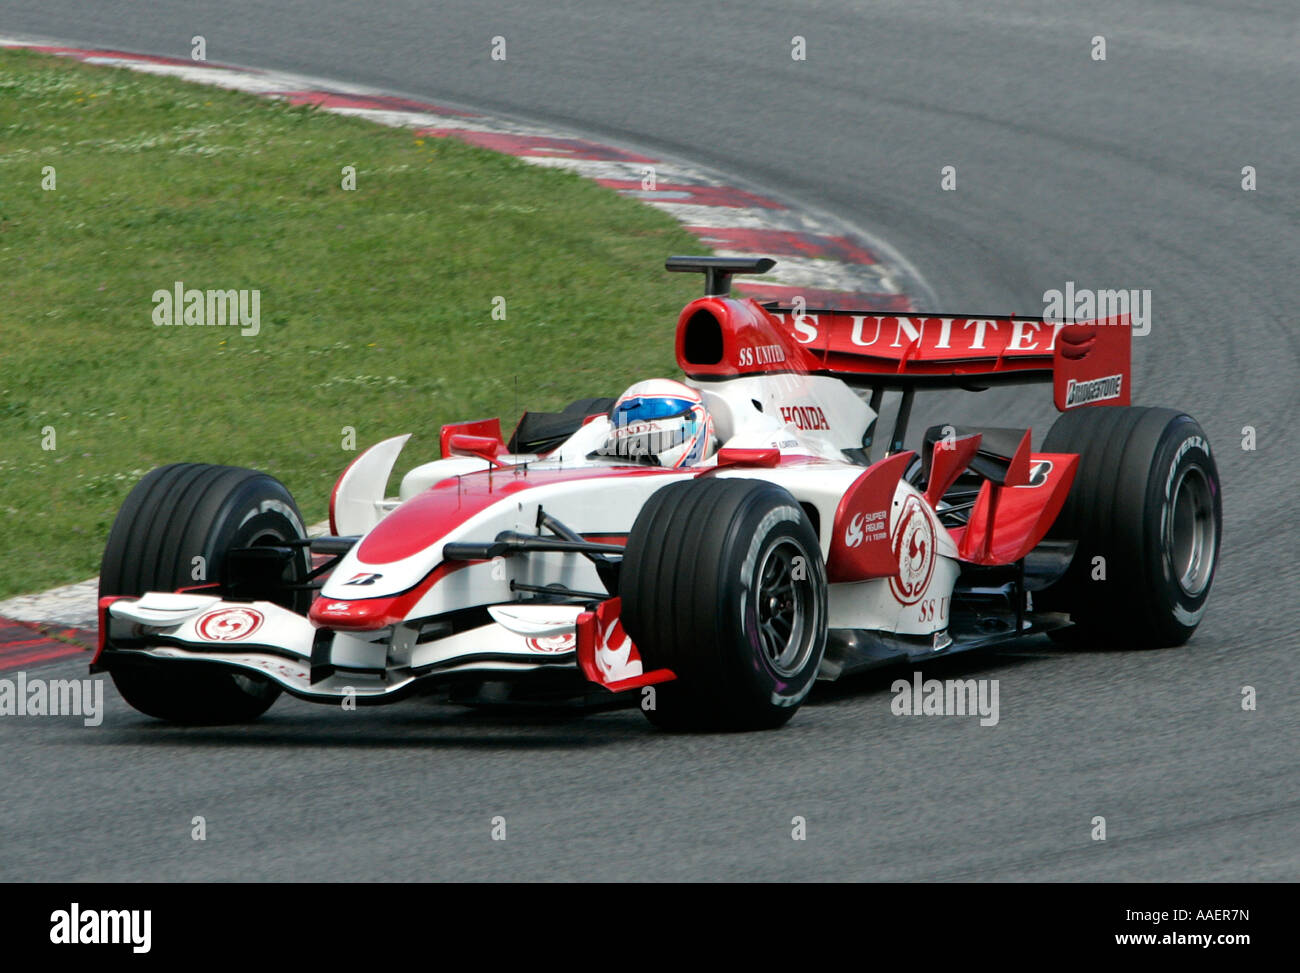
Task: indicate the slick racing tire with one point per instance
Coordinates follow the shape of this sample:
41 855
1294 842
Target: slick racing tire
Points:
1146 510
723 583
173 515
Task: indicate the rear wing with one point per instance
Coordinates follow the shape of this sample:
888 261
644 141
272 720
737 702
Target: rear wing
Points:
1087 362
719 337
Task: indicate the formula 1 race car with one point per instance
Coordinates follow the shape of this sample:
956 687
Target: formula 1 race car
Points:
710 547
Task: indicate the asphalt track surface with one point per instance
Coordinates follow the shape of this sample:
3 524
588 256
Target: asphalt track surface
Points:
1123 173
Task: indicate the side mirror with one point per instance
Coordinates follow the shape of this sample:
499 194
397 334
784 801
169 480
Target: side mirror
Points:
484 447
738 456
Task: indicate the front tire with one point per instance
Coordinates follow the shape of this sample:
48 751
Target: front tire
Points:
173 515
723 583
1146 510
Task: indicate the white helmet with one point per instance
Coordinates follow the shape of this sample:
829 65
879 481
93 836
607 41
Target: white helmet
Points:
662 422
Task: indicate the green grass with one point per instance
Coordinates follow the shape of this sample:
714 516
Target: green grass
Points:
375 304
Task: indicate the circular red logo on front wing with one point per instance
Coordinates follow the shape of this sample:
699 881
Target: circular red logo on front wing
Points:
229 624
554 643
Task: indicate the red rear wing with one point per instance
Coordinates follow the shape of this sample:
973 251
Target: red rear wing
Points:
1087 362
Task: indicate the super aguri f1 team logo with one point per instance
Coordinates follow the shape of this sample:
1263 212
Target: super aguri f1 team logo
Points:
913 543
229 624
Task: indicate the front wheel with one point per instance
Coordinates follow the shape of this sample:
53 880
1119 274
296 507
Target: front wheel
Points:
175 529
723 583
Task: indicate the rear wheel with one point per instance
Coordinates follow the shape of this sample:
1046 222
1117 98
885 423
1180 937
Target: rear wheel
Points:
723 583
175 530
1146 510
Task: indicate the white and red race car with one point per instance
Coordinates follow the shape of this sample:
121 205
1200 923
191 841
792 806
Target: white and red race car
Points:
710 547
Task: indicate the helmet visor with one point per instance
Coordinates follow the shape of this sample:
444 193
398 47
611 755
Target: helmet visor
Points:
649 408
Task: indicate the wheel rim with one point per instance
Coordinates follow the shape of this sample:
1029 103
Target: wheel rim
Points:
1191 536
785 607
265 538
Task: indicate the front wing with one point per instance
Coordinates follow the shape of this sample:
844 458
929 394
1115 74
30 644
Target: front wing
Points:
325 665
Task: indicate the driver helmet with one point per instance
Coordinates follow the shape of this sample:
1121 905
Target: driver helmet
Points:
660 422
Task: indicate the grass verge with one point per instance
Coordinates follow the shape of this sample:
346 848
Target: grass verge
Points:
376 304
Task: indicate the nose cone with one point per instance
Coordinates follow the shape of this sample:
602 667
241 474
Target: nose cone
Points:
364 615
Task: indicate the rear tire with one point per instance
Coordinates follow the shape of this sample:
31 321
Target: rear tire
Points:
173 515
723 583
1146 500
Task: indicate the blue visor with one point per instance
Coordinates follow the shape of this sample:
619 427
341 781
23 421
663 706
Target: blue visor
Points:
646 408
